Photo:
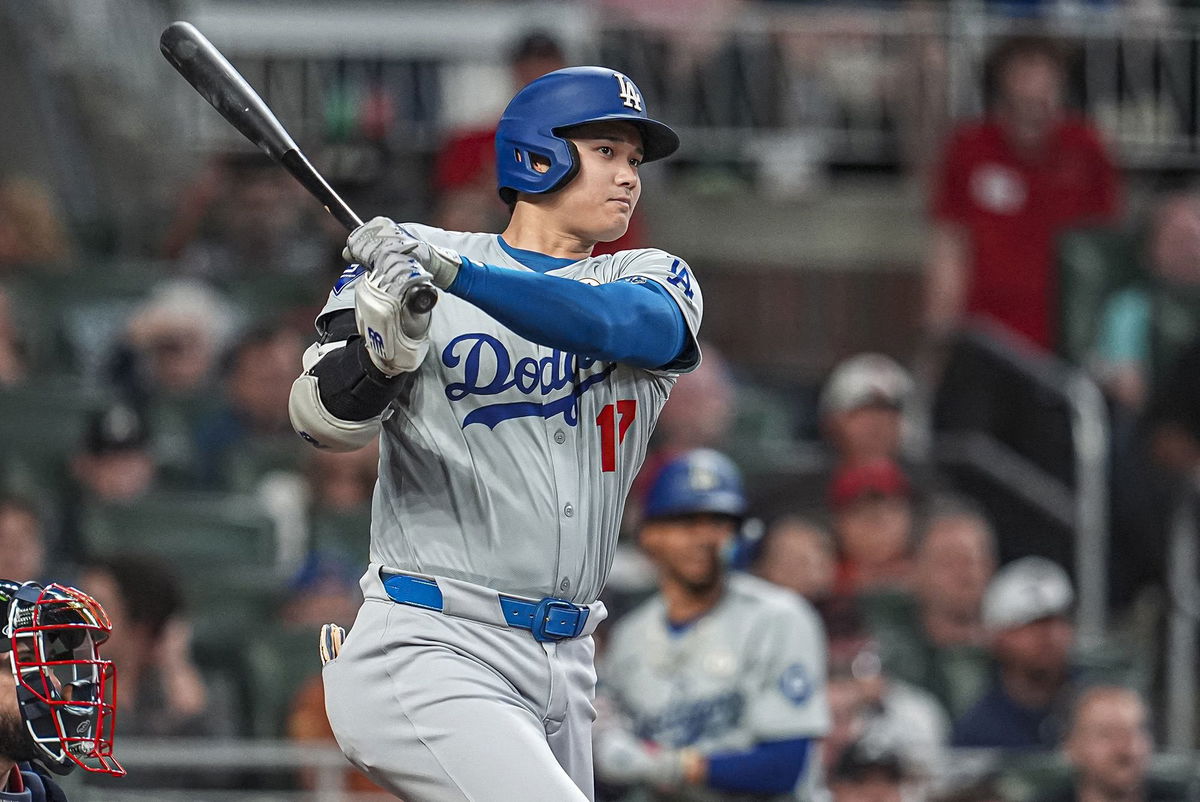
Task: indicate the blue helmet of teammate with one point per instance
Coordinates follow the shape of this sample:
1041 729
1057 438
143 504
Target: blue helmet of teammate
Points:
700 481
535 117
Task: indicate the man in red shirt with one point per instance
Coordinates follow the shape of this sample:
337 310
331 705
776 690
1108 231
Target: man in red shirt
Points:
1008 186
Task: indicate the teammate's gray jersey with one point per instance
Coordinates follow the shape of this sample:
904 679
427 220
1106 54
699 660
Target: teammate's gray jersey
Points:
507 463
751 670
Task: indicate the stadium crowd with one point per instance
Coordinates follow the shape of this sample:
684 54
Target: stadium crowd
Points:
146 452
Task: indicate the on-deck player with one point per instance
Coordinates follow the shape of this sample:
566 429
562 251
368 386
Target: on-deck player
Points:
513 419
714 688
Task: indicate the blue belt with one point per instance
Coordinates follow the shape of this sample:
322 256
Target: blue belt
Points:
549 619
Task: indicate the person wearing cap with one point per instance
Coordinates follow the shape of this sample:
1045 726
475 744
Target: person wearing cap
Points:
115 463
861 408
871 504
869 771
1026 611
715 687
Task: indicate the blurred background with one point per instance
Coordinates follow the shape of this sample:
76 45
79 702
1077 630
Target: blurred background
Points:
951 256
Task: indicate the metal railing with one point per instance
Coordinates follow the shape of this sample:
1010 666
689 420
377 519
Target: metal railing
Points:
1183 621
1080 505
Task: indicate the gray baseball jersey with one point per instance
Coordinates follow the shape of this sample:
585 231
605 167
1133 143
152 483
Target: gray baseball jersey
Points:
751 670
505 463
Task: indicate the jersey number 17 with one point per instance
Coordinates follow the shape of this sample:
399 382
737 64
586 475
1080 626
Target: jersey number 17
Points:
614 420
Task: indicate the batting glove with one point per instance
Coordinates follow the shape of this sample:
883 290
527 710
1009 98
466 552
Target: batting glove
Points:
381 243
396 338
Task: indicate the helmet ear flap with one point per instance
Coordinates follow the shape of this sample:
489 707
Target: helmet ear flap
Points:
525 157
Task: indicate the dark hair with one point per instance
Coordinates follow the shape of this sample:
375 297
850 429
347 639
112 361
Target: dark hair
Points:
538 44
1014 49
148 588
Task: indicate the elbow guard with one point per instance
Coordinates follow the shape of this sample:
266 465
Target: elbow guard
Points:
318 426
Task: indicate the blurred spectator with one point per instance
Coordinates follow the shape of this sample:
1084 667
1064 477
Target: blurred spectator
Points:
13 348
115 463
172 342
1123 351
1109 747
343 481
868 703
464 175
31 228
935 639
253 416
861 409
716 682
22 540
798 554
245 215
1009 184
162 691
1026 610
872 512
324 591
698 414
869 772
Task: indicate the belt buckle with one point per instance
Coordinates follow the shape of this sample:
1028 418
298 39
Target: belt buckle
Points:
550 624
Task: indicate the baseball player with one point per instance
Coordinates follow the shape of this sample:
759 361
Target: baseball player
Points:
57 702
512 420
714 689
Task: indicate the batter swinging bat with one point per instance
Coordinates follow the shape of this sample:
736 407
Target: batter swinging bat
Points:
221 85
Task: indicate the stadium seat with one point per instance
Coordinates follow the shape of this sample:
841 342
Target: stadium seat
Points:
1092 264
278 661
42 421
191 531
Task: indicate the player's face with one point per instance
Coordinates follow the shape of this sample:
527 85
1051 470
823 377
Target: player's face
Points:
598 202
688 548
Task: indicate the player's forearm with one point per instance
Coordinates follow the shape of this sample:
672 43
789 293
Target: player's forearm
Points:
620 322
772 767
338 402
351 387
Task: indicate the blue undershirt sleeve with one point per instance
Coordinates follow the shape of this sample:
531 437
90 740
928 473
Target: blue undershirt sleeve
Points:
635 323
773 767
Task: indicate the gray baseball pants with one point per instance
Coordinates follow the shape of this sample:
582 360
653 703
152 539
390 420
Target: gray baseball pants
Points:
435 707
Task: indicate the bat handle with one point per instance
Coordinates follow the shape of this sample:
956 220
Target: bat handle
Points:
419 300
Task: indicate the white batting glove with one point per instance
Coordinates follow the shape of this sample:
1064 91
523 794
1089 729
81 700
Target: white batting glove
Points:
396 338
380 243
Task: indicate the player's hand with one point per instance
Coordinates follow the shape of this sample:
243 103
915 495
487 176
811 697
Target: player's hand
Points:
383 245
396 338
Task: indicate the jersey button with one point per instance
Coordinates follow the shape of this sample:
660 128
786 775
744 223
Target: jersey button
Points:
560 437
565 585
569 510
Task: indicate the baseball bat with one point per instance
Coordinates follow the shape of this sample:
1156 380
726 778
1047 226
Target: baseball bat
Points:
218 82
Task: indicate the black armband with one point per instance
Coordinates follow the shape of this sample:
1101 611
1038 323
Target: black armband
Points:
351 387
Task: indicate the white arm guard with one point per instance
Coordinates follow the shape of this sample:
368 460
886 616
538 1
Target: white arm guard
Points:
313 422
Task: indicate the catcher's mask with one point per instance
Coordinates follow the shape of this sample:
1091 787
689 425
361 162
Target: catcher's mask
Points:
66 693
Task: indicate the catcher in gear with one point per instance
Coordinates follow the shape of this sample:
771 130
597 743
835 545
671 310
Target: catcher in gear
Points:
57 704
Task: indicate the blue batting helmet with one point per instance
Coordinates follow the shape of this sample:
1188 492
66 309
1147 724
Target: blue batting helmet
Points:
573 96
697 482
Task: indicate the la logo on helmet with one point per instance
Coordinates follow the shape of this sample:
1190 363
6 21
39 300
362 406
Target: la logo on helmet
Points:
628 92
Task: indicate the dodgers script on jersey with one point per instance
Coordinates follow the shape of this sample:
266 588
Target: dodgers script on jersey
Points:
506 463
751 670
